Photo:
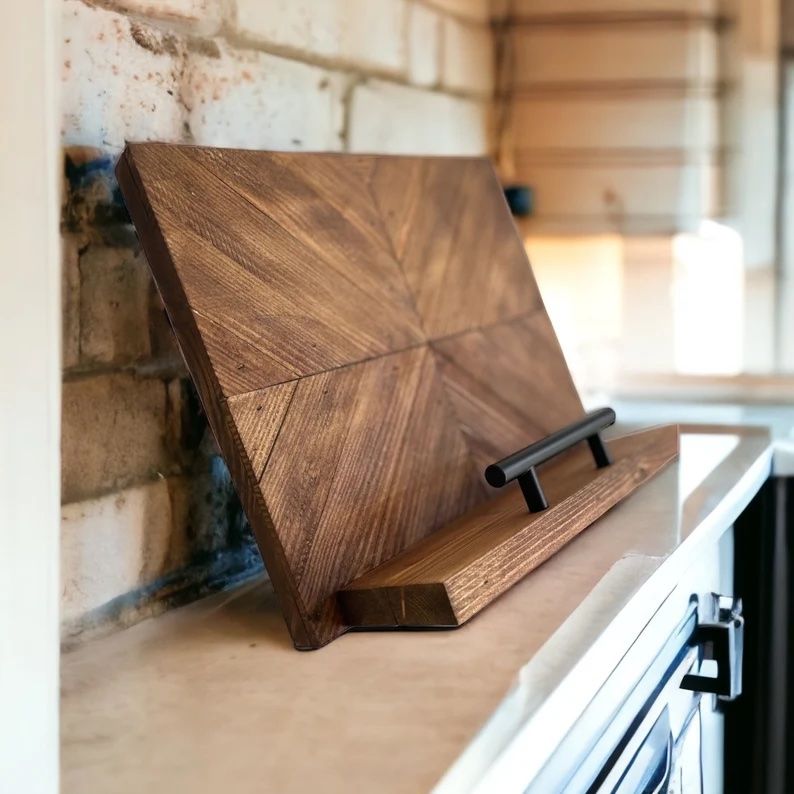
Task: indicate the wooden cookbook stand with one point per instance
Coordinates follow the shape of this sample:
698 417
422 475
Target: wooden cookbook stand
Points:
366 335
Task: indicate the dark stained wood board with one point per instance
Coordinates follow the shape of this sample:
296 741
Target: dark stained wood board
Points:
448 577
365 334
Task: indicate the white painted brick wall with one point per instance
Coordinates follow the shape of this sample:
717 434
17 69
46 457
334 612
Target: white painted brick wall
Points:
70 301
468 57
201 17
114 305
400 120
475 10
115 88
258 101
116 544
367 34
424 45
114 431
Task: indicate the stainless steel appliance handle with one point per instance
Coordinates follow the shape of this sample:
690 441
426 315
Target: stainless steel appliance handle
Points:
722 640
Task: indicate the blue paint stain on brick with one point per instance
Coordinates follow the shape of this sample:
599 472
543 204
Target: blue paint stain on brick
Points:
93 197
224 549
81 174
223 552
219 571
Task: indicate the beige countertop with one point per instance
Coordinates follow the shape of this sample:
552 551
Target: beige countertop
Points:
213 696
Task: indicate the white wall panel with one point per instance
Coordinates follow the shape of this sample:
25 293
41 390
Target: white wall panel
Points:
590 121
620 52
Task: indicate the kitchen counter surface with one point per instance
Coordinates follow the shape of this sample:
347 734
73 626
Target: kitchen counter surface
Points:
212 696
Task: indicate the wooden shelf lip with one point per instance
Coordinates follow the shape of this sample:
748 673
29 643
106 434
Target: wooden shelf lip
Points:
448 577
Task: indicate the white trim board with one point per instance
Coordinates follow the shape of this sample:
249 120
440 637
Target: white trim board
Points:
29 398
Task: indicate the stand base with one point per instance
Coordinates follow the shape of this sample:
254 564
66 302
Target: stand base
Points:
447 578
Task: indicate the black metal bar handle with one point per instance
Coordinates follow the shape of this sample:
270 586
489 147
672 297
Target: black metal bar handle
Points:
521 465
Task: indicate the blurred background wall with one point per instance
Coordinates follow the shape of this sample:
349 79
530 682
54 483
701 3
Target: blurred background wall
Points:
786 189
651 133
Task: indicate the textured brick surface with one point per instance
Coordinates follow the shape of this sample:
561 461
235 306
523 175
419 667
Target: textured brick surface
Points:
115 291
401 120
477 10
468 57
424 45
161 336
368 34
113 432
198 16
117 543
120 79
254 100
70 300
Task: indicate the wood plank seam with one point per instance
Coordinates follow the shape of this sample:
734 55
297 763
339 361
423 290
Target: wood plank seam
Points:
278 433
486 327
393 250
262 523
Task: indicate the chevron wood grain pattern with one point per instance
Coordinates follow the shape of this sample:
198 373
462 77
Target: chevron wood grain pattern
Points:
464 263
449 577
375 473
365 334
498 390
271 304
258 417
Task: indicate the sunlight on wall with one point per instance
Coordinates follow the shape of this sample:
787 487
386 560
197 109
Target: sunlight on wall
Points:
624 306
581 282
708 301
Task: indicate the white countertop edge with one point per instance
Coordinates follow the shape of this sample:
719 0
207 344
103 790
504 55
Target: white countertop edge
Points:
517 740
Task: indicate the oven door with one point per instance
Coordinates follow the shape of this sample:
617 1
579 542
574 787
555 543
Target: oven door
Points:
646 741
